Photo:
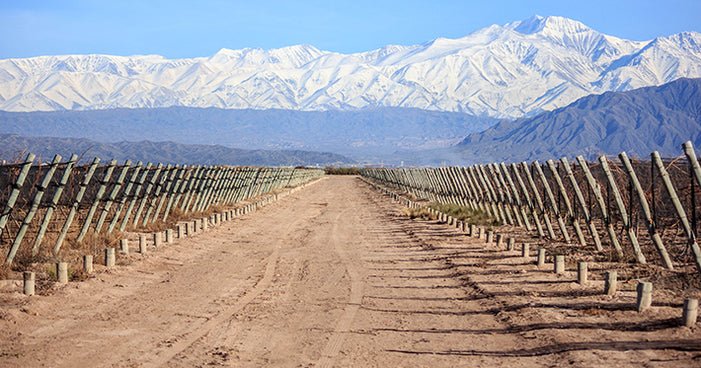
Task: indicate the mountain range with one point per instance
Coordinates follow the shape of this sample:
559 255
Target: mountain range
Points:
638 122
504 71
13 146
366 135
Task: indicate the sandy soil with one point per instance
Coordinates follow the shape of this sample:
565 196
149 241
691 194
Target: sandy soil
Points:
335 275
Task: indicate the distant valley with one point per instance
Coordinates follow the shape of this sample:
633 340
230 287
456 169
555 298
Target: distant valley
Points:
365 135
12 147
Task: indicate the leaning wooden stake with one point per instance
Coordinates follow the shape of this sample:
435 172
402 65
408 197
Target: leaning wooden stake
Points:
651 228
10 204
54 202
594 187
41 188
98 196
538 200
112 196
568 206
657 161
76 203
639 256
125 195
582 204
553 203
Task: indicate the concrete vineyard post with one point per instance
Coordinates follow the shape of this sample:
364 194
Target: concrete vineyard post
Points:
87 264
29 280
644 296
690 312
62 272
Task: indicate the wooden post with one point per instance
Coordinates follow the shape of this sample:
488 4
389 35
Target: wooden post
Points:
538 200
174 193
691 238
135 197
566 200
693 161
170 180
639 256
582 204
33 209
76 203
98 196
518 204
594 187
10 204
165 177
54 202
551 198
125 195
147 194
112 196
652 230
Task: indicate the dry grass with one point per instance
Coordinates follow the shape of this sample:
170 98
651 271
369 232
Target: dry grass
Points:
465 214
421 212
342 170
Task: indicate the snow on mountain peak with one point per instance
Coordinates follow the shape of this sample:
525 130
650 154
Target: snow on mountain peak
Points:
548 25
540 63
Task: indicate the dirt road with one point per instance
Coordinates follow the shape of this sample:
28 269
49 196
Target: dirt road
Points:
334 275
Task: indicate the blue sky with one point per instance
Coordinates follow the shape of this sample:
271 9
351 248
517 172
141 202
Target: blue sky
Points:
198 28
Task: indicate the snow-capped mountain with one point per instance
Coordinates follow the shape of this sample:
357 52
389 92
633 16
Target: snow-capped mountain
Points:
513 70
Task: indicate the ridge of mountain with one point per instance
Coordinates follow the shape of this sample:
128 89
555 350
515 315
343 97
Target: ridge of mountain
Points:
504 71
12 145
639 121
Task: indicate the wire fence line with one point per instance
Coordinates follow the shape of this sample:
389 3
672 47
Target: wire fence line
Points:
67 200
637 210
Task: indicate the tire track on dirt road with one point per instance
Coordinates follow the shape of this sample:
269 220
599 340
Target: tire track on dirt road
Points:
227 314
343 325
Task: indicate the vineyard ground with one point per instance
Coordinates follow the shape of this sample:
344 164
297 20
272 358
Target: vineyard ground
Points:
335 275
